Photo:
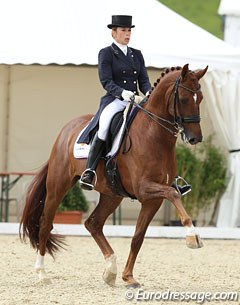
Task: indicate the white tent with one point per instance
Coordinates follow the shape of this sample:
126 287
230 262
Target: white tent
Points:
230 10
229 7
72 32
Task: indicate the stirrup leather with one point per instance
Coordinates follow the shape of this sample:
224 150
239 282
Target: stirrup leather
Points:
89 185
182 189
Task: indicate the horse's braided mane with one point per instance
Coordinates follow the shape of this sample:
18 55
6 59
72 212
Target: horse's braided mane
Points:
166 71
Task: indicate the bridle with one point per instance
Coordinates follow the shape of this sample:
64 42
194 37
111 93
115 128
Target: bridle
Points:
178 120
183 119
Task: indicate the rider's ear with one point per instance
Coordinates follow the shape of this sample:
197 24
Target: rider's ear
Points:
184 71
200 73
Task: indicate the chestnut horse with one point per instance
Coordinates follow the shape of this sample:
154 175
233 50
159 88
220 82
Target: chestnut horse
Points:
147 172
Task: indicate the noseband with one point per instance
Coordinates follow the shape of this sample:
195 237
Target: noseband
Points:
178 119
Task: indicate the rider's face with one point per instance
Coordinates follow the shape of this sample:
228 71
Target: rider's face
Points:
122 35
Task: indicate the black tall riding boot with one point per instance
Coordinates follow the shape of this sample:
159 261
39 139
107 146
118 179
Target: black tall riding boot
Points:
95 153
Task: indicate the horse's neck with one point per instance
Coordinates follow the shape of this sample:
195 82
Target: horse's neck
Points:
158 104
153 129
154 149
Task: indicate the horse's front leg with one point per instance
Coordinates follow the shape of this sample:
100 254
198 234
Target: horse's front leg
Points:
193 239
146 214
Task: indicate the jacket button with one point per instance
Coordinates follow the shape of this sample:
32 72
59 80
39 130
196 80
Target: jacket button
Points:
124 81
123 71
135 92
134 82
135 72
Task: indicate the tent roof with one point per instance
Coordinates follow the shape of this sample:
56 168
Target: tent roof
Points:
73 31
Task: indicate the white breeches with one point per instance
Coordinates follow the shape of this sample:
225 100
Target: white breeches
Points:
106 116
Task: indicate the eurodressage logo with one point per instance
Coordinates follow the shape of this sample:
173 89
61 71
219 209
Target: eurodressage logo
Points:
198 297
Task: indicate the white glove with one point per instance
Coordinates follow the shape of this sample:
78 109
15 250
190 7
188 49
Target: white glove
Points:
138 99
127 95
147 94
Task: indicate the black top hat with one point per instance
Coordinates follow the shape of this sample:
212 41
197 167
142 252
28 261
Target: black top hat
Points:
121 21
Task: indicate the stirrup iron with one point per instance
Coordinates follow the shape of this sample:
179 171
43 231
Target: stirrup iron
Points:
89 186
182 189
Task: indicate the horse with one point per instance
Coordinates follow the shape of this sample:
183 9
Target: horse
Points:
147 172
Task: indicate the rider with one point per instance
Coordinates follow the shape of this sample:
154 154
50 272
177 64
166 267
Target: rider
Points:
121 71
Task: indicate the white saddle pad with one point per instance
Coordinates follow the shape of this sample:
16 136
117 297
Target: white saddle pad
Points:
81 150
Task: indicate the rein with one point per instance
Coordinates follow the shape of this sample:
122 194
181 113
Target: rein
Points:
157 119
178 120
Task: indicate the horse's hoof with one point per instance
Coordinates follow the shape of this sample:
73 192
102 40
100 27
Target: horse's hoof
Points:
110 272
109 278
133 285
194 242
42 277
45 281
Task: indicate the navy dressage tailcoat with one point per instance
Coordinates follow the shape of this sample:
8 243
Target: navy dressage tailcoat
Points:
118 72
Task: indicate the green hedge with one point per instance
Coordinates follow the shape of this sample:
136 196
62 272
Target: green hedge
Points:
204 167
74 200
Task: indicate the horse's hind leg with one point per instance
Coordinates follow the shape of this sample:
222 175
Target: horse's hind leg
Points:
94 224
56 190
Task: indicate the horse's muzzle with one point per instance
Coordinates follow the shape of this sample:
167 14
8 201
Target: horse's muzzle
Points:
195 140
192 138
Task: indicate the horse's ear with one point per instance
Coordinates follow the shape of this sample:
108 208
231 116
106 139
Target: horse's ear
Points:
200 73
184 71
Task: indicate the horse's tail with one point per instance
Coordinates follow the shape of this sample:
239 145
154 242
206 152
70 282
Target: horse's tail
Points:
32 212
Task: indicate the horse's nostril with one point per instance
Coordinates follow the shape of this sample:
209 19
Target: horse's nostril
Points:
194 141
